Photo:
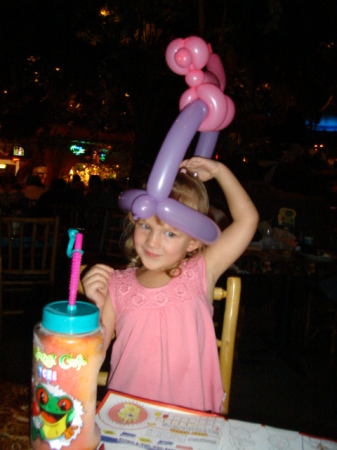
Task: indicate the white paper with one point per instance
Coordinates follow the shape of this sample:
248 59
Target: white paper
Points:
128 423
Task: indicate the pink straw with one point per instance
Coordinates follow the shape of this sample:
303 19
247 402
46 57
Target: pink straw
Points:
75 269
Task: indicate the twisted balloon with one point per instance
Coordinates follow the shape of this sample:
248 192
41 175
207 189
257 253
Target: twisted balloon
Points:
205 108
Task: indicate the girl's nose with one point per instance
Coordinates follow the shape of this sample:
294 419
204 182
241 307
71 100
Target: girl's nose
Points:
153 239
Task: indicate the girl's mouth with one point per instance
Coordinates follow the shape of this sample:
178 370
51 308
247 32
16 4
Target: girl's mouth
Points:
150 254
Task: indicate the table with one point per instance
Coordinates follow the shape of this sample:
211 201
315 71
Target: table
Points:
256 261
232 434
128 422
284 278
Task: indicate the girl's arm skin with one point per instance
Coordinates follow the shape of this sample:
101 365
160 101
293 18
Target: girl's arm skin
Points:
96 288
236 237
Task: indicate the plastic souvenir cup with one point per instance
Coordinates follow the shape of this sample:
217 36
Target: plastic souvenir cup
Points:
68 351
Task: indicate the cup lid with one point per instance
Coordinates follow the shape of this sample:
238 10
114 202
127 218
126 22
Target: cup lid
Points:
62 318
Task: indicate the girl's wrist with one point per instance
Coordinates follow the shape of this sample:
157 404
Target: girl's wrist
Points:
219 172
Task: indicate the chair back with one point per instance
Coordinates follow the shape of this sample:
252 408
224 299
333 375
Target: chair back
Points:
27 254
227 343
28 250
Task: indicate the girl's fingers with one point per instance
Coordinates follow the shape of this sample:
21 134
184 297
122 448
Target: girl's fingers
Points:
104 267
98 271
101 269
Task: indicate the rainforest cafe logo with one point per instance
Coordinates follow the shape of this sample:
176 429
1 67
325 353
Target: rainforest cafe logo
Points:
65 361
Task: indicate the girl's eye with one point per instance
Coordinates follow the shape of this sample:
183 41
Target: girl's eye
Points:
170 234
145 226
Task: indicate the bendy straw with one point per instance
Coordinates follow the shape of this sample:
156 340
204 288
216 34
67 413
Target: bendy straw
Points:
75 252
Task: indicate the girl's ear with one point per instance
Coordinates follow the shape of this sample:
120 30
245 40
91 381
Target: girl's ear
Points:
193 245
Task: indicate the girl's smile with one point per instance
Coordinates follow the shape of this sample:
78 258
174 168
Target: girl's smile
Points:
151 255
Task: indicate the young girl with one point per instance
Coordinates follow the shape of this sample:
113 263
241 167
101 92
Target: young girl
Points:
160 308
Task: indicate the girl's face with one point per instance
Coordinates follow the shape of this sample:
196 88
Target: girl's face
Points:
159 245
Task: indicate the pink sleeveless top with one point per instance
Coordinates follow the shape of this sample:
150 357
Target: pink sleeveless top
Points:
165 348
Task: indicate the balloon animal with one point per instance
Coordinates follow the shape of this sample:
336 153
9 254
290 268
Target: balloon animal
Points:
205 108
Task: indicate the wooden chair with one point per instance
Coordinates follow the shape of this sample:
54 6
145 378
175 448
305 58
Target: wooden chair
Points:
226 344
27 255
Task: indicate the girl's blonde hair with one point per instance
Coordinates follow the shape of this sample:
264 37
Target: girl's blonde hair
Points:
187 189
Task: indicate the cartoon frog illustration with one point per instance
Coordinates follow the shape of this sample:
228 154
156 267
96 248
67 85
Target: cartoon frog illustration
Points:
55 415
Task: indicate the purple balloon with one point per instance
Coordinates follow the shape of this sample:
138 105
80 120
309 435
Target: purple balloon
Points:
206 144
155 201
126 198
188 220
144 206
207 108
173 149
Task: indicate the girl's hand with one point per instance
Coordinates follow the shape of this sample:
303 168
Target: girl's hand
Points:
205 168
96 284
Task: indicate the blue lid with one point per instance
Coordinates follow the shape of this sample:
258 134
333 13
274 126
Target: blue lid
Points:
62 318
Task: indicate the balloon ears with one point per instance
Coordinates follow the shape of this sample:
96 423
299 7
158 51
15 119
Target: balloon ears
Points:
155 200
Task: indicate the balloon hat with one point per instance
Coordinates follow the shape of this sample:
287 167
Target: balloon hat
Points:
205 108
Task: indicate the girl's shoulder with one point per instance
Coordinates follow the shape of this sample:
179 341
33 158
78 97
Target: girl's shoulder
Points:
194 269
195 263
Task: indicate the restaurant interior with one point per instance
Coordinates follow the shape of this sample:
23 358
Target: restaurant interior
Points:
284 370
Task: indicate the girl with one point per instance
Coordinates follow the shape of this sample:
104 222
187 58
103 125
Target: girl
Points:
160 308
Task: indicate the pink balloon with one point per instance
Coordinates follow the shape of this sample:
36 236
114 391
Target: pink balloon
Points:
217 106
195 78
183 57
187 57
199 50
171 50
189 96
215 66
230 113
210 78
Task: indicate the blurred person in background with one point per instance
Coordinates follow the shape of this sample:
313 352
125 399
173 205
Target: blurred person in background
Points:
34 188
77 189
12 198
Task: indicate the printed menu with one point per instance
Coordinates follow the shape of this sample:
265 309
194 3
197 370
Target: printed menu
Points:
128 422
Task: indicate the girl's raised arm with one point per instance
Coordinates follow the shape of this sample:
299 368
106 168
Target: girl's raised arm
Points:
236 237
